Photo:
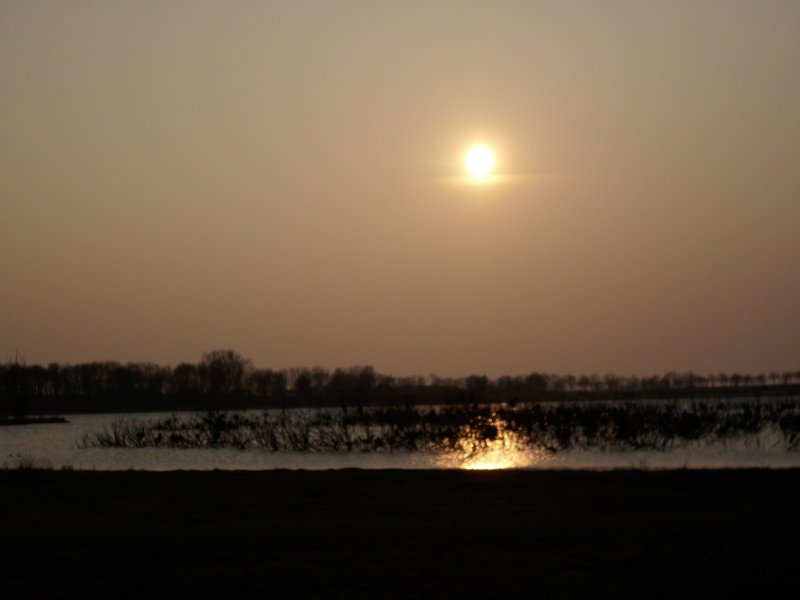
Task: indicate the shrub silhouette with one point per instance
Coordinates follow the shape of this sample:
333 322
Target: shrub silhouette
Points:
467 428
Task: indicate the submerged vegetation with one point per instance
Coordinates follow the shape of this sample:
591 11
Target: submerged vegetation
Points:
467 429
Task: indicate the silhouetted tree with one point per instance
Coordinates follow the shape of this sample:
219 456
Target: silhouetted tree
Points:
303 385
536 383
476 387
319 378
185 380
222 372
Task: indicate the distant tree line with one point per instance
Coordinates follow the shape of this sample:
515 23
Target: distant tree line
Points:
225 379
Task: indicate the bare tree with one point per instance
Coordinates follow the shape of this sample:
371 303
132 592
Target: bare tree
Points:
223 372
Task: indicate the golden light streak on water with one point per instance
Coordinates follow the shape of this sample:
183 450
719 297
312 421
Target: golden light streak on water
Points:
491 461
490 446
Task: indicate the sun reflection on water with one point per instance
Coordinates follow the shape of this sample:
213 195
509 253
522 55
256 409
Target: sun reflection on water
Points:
490 461
489 445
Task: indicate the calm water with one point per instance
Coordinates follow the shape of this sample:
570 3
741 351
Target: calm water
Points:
55 445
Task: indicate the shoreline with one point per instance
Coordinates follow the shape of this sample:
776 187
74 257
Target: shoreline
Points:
392 533
111 404
55 420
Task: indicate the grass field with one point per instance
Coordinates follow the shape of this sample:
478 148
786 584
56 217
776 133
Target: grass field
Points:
397 534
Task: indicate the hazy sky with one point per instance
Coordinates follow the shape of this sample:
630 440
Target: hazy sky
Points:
285 179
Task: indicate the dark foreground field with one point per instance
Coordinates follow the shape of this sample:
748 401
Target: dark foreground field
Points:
372 534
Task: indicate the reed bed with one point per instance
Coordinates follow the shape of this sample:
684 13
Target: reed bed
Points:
467 428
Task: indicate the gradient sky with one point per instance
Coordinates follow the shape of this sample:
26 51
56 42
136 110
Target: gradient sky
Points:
285 179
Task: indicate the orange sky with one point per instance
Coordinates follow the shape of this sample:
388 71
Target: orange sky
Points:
285 179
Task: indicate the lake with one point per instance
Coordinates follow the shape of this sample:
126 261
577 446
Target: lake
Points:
56 445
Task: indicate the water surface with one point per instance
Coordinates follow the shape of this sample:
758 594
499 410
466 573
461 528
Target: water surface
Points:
56 445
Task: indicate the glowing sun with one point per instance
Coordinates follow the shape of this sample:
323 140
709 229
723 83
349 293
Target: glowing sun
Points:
479 161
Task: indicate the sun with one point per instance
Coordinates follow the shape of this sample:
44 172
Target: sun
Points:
479 161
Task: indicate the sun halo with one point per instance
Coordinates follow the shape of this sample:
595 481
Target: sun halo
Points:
479 161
